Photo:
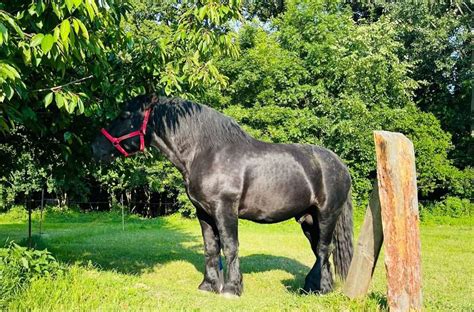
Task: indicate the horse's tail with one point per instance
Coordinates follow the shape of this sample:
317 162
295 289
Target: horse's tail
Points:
343 250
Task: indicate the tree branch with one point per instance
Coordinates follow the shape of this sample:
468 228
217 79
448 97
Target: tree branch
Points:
57 88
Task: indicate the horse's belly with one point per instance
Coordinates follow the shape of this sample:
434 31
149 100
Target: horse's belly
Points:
270 215
270 198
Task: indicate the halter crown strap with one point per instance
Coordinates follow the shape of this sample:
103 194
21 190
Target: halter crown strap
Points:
116 141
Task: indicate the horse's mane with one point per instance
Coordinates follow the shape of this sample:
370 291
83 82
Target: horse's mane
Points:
187 121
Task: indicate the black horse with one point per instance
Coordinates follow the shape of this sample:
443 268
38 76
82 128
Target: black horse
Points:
230 175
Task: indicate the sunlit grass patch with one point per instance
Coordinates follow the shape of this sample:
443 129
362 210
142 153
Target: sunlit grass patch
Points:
158 264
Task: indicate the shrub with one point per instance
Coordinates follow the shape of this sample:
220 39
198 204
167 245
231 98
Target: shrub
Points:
186 208
7 196
453 207
461 182
19 266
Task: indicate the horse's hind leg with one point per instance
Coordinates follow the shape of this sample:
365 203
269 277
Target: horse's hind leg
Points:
319 231
310 228
212 249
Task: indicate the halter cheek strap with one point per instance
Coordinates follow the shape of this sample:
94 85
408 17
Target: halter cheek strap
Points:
116 141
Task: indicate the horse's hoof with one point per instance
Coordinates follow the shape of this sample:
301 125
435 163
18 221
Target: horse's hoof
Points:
210 287
314 291
232 290
228 295
305 291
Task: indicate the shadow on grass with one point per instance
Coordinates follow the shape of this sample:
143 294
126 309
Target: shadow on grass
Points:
262 263
145 245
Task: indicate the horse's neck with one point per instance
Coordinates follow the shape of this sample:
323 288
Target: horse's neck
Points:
178 150
169 151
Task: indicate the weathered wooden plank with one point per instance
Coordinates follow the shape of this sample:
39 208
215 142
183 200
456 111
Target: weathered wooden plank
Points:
367 250
396 177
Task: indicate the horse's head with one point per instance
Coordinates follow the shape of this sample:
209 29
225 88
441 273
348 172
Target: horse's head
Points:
126 134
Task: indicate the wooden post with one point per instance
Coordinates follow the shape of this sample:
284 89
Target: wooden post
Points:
396 177
367 250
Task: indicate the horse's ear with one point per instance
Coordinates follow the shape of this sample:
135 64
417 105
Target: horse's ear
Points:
153 99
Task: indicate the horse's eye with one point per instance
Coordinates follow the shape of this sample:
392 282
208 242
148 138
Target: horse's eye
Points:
125 115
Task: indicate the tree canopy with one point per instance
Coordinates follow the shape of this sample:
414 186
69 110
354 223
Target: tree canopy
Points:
302 71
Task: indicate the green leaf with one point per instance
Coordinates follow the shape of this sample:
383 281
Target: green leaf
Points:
48 99
57 10
32 9
75 24
58 97
56 33
8 71
202 13
9 91
80 105
84 31
40 7
36 58
90 9
47 43
36 40
69 5
24 262
72 103
68 137
26 54
65 30
3 33
12 23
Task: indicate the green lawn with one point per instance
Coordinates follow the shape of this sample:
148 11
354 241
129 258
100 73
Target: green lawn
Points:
158 264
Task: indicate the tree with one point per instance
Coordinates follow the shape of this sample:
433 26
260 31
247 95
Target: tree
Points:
52 52
317 77
50 49
66 67
438 40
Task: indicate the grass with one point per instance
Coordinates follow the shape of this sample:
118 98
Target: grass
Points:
158 264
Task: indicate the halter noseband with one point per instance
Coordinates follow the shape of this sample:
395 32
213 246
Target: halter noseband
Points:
116 141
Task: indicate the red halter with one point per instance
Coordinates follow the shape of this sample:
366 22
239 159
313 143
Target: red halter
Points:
116 141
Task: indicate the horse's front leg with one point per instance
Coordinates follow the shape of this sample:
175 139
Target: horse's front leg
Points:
212 248
226 218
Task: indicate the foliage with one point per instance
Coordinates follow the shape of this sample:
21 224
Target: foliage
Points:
438 40
19 266
46 42
48 48
7 197
60 51
176 43
17 213
263 9
87 57
436 37
318 72
332 83
450 206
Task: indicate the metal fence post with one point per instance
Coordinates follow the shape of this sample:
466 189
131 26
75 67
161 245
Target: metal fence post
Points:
123 212
41 211
28 206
